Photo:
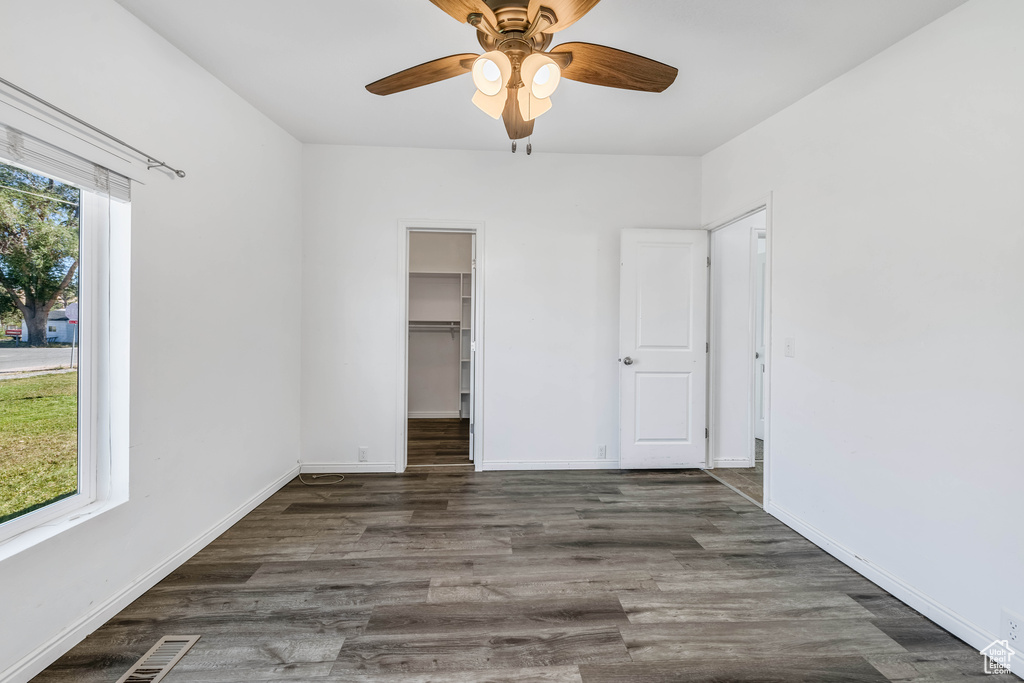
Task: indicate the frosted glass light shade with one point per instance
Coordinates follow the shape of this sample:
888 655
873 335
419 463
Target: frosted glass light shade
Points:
540 79
491 74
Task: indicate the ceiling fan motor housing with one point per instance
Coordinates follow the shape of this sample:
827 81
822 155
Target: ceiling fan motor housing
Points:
516 40
511 15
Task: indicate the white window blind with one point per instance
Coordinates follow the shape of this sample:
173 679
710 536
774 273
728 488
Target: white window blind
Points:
36 155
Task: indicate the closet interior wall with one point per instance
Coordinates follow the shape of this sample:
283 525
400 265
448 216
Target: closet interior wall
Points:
440 308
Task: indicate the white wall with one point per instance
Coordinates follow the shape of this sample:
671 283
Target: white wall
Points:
214 418
732 342
898 239
552 227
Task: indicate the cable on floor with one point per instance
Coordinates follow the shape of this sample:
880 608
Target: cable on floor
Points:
340 478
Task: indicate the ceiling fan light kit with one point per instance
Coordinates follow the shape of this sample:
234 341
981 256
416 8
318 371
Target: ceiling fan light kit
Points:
543 77
491 74
516 75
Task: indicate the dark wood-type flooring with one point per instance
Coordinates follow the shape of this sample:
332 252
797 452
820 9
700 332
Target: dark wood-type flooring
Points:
441 441
451 576
748 480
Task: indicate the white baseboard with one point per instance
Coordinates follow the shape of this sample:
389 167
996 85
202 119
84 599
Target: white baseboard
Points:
423 415
557 465
732 463
47 653
346 467
967 631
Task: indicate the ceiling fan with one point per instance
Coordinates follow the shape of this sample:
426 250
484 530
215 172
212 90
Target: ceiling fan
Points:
516 74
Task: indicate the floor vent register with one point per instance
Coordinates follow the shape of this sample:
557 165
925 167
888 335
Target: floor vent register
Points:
160 659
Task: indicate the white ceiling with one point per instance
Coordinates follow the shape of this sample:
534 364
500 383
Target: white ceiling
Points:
304 64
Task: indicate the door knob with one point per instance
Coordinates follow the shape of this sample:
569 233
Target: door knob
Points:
757 355
627 361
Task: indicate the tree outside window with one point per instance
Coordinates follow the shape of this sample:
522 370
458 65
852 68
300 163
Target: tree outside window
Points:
39 235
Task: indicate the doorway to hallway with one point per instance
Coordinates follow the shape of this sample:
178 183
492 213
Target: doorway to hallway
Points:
739 322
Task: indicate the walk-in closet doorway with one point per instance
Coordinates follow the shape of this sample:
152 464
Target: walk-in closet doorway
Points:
440 347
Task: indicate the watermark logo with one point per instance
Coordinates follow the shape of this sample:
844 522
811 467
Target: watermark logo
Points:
997 657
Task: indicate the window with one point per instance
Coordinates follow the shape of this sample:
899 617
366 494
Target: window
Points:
63 361
39 391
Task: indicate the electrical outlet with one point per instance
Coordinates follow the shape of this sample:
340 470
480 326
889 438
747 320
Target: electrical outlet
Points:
1012 630
364 452
602 452
790 347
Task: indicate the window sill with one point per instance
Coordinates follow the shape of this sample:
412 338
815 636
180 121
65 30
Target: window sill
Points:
44 532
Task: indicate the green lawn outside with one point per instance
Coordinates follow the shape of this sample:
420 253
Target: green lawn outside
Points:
38 441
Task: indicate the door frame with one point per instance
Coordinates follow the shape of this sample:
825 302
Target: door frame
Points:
476 228
763 204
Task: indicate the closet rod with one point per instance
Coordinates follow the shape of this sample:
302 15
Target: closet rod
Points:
426 326
150 159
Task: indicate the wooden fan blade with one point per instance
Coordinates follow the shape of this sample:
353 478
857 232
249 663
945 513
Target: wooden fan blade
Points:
514 124
424 74
600 65
461 9
567 12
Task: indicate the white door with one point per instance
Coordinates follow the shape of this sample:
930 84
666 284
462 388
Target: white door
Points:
759 282
663 291
468 294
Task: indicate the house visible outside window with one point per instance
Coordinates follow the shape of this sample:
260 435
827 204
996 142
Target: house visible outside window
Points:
63 357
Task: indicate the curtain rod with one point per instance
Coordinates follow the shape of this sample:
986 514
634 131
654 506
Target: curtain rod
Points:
150 159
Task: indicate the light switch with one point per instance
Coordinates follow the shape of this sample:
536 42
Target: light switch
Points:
790 347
